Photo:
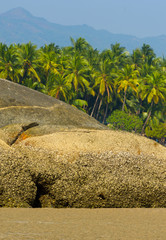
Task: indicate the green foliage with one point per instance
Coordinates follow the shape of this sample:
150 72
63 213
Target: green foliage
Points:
156 131
80 104
121 120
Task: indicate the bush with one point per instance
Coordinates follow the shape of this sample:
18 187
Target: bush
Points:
125 121
157 132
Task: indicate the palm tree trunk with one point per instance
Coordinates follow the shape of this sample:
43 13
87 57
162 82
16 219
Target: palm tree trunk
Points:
47 75
149 114
105 114
57 95
94 105
124 100
137 110
99 108
140 105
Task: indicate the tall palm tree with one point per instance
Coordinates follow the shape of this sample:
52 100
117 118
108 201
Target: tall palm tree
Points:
80 45
47 63
92 56
136 58
146 69
117 49
62 61
60 88
153 89
26 56
162 64
104 80
76 72
51 48
147 54
128 78
120 54
9 68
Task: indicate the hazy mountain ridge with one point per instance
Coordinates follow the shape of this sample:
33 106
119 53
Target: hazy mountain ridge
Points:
18 26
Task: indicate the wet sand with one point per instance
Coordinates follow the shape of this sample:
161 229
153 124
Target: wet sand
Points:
83 224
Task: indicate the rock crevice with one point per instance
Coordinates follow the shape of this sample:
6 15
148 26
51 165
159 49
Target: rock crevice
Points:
24 128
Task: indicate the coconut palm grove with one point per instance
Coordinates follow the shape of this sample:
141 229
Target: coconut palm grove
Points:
126 91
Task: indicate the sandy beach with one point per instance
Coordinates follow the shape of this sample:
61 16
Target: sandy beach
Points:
83 224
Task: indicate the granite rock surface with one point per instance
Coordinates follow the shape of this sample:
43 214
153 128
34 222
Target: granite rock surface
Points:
53 155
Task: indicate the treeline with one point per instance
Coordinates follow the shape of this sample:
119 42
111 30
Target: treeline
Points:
96 82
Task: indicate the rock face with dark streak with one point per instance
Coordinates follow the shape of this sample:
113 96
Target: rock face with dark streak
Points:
53 155
19 105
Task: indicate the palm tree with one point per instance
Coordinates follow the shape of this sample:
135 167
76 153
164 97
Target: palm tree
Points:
79 103
80 45
128 78
76 72
104 80
51 48
162 64
62 61
60 88
9 68
147 54
154 90
26 56
136 58
47 63
120 54
146 69
92 56
117 50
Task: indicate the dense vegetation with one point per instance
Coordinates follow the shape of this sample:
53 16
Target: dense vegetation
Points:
96 82
124 121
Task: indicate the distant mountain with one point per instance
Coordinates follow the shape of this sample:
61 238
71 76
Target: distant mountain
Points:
20 26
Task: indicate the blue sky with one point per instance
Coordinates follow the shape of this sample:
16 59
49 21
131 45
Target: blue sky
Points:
135 17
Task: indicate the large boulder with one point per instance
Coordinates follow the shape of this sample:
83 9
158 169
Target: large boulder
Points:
53 155
21 107
40 177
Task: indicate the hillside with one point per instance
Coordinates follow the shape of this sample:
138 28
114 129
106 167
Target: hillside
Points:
19 26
